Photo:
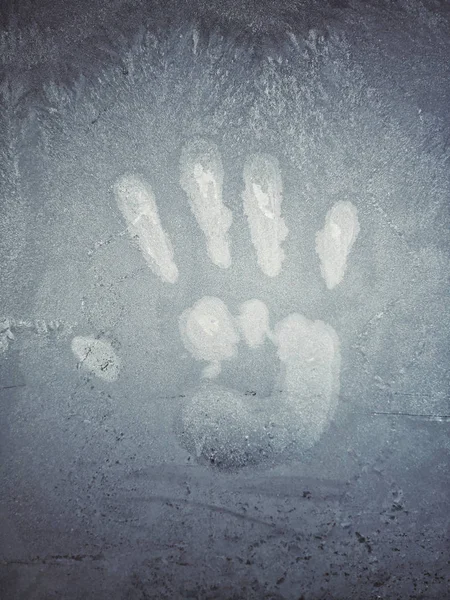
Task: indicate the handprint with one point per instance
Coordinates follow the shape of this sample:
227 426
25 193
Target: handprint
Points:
222 425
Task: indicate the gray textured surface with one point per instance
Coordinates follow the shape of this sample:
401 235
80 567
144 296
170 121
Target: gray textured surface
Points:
99 497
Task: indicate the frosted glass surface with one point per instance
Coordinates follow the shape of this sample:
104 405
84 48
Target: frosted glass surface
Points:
224 300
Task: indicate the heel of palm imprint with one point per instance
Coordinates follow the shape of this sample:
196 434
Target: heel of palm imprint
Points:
218 420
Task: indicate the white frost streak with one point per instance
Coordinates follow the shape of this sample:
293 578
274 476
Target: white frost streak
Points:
335 240
253 321
310 356
262 198
137 204
202 178
97 357
208 333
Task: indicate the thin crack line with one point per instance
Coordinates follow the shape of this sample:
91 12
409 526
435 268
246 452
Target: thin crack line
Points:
405 414
212 508
52 559
11 387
